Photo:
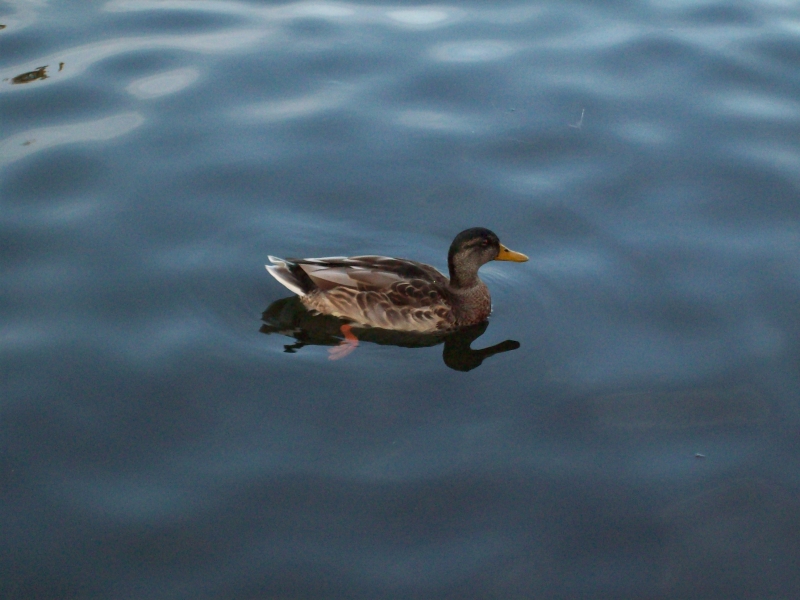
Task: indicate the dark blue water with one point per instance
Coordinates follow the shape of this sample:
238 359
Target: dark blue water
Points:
159 441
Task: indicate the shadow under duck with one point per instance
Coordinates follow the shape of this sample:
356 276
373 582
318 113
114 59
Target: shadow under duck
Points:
399 294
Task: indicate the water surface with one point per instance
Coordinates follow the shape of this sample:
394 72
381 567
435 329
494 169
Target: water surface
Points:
640 442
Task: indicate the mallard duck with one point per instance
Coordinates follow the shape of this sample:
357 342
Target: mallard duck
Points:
399 294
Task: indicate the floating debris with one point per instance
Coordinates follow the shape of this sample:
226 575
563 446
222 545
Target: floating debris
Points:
698 455
60 66
579 124
38 73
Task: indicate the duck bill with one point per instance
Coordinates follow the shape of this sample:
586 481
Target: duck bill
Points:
506 254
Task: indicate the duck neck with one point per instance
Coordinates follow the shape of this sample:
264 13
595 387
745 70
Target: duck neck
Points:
462 276
471 301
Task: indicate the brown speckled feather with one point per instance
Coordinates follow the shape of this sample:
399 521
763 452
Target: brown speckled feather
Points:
382 292
374 290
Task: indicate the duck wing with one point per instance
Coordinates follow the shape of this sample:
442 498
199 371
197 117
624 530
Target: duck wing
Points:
366 273
377 291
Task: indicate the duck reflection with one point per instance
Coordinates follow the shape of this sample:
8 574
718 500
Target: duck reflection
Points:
289 317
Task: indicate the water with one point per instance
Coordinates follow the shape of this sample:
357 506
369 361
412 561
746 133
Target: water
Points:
160 442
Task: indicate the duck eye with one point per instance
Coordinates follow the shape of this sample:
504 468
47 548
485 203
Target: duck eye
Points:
484 243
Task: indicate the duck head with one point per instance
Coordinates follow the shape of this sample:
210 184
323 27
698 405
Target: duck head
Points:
473 248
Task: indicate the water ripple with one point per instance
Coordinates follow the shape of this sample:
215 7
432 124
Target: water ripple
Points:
79 59
163 84
28 142
472 51
643 154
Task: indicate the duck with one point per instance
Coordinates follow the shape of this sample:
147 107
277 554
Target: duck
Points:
396 293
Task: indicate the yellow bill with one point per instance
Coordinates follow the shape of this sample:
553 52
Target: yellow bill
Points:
506 254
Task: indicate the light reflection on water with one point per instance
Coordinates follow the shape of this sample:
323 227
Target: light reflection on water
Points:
638 443
163 84
36 140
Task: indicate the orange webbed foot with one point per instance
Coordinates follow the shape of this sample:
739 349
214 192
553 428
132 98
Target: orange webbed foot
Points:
346 346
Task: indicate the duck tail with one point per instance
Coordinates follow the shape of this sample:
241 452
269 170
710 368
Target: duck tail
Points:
290 275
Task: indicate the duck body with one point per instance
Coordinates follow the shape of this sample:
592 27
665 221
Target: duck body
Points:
399 294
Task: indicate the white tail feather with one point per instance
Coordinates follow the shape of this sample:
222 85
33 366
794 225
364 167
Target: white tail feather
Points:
280 272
